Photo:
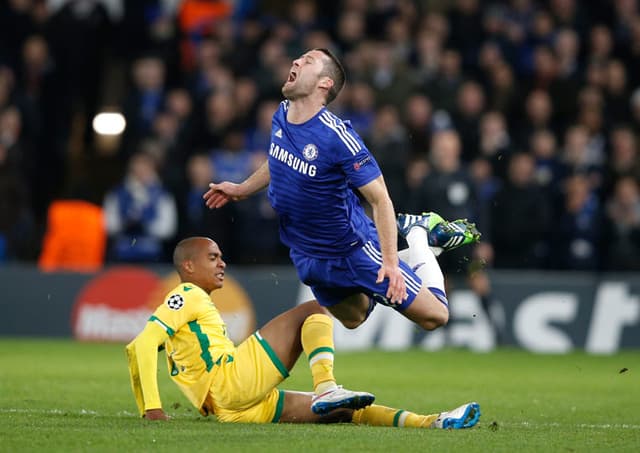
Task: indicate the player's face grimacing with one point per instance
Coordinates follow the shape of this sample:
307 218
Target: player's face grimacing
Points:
209 267
304 75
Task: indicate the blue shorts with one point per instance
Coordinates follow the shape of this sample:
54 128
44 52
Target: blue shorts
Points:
334 279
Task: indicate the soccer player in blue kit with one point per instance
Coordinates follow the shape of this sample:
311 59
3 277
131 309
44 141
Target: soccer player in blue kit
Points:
315 163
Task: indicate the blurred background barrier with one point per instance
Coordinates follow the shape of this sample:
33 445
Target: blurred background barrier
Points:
547 312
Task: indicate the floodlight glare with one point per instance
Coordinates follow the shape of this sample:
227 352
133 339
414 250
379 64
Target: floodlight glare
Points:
109 123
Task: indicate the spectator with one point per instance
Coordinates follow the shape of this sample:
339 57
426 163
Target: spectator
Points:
389 143
45 119
495 142
16 219
303 17
448 190
623 226
444 89
216 121
591 116
579 157
577 227
489 56
470 105
144 102
258 138
195 219
16 25
7 81
624 157
546 77
179 103
428 48
245 94
538 115
250 35
272 56
520 218
566 46
447 187
140 214
503 90
634 103
548 170
631 52
232 161
398 33
390 79
256 214
567 14
465 23
600 44
196 20
207 58
17 154
79 35
361 108
166 149
486 185
417 117
616 92
149 26
350 30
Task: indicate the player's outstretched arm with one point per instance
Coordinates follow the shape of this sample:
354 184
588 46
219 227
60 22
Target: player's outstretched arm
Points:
377 195
142 354
220 194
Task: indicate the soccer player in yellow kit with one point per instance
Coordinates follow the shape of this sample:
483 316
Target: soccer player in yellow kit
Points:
239 384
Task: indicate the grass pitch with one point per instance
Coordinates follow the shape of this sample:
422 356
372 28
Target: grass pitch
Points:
65 396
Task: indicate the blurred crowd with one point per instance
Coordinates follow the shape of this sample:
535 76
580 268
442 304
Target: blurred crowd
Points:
520 115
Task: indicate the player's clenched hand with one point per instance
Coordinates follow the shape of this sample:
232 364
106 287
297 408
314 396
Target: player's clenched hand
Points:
220 194
156 414
397 291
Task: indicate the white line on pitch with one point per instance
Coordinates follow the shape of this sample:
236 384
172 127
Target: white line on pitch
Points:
513 425
570 425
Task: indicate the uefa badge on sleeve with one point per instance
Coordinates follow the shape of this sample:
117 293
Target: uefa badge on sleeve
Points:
175 302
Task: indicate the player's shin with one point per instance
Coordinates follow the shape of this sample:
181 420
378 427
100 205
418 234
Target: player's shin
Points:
376 415
317 342
424 263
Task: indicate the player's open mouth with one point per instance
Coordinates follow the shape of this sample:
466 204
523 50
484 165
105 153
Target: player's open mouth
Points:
292 76
220 275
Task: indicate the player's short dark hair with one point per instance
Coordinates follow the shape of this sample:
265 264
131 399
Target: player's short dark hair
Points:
185 250
335 71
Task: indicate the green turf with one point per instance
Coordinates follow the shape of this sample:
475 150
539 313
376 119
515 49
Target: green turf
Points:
65 396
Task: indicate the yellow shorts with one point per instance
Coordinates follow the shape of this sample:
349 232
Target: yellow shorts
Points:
244 387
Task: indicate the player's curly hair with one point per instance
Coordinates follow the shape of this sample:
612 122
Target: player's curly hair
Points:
335 71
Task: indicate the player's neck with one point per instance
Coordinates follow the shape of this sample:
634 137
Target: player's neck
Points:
303 109
204 288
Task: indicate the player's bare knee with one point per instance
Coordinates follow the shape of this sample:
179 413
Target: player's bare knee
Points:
313 307
435 319
442 318
352 323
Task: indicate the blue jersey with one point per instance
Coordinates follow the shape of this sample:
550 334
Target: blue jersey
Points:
314 169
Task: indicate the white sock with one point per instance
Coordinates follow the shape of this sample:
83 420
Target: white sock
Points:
325 387
422 260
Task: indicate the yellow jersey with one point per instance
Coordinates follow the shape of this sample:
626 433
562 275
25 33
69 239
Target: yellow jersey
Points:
195 339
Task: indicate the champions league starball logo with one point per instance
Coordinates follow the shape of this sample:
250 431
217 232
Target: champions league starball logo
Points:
310 152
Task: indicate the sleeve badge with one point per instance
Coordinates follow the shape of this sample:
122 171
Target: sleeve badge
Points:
175 302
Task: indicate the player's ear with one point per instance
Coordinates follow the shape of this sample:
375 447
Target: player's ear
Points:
188 266
325 83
